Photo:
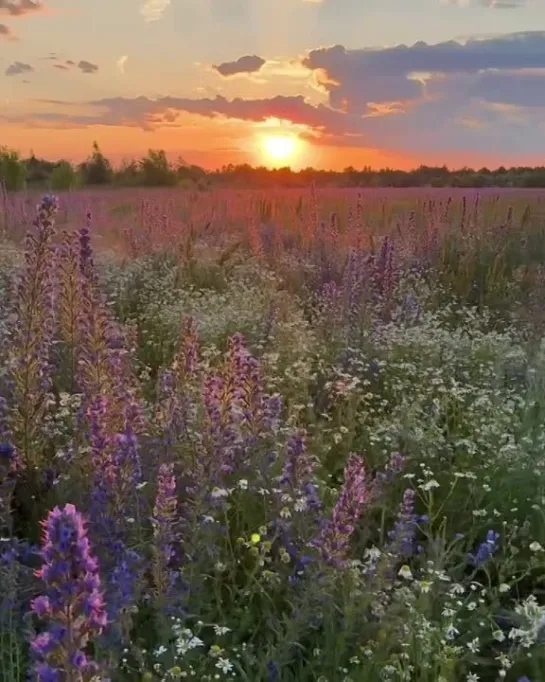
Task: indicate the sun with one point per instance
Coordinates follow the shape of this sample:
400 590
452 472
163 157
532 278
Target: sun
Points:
280 147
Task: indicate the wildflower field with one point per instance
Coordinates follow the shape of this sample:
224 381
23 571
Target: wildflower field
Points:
287 436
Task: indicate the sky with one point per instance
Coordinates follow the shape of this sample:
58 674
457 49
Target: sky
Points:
394 83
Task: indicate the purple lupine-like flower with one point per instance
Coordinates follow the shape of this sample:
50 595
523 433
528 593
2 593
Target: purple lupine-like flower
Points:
334 539
86 264
238 411
485 550
384 276
126 461
164 519
393 468
272 411
8 458
330 299
123 571
273 674
402 536
298 465
299 470
72 606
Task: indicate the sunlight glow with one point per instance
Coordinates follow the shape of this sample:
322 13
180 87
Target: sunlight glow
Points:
281 148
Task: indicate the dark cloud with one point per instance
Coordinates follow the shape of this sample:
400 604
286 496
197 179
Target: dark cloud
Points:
17 8
61 67
87 67
152 113
247 64
525 89
356 78
18 68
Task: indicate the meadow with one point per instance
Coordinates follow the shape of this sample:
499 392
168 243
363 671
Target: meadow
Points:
282 436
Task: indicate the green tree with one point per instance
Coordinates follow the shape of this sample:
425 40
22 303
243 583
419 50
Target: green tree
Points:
128 174
63 176
156 170
97 170
12 170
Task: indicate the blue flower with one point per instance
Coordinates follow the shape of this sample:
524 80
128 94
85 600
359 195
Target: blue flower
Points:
485 550
272 672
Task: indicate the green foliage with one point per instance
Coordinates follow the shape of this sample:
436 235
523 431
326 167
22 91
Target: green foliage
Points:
12 170
63 176
156 170
97 170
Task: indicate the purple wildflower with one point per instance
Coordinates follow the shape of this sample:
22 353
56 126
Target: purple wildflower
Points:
393 468
299 469
402 536
72 605
335 536
164 519
272 672
485 550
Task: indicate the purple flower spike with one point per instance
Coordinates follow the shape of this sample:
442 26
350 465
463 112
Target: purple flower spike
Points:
335 537
164 519
72 605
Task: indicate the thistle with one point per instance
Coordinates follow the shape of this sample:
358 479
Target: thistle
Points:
72 606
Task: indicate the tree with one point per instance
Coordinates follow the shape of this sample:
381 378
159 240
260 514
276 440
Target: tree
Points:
12 170
97 170
128 174
156 170
63 176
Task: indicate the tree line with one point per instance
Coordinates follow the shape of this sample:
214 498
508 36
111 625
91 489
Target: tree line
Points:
155 170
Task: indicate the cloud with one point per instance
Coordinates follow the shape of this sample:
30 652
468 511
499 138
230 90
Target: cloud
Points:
247 64
18 68
153 10
483 96
6 33
525 89
87 67
120 64
355 79
17 8
83 65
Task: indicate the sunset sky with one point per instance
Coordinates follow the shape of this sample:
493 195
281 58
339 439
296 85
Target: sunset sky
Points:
353 82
